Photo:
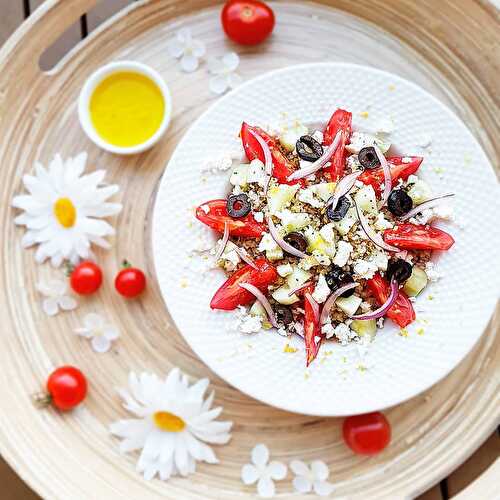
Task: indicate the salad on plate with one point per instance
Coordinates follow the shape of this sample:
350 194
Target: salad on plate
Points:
324 233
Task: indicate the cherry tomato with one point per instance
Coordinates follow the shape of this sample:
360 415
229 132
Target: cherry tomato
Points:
86 278
282 166
230 295
367 434
130 281
247 22
311 328
399 170
340 120
418 237
214 214
401 312
67 387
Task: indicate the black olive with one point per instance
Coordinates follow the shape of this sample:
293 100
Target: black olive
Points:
283 315
398 269
399 202
309 149
338 213
368 158
238 205
297 240
336 277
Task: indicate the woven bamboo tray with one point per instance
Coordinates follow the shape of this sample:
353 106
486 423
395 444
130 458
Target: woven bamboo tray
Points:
447 47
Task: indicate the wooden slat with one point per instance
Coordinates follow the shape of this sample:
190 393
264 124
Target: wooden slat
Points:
11 17
433 494
13 488
104 10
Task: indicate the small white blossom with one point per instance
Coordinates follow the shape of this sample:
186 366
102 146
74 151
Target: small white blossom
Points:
263 472
311 478
100 333
56 298
187 49
224 71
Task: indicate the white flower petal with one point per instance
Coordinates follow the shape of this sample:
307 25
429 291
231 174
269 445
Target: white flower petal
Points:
302 484
231 61
175 47
260 455
249 474
181 457
100 344
277 470
167 448
265 487
110 332
234 79
215 66
67 303
83 332
50 307
198 48
189 63
218 84
323 488
299 468
93 321
320 470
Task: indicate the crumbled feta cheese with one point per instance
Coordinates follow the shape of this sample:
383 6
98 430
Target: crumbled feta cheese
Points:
365 306
443 211
258 216
221 164
385 125
321 258
282 331
380 322
229 255
289 135
272 249
344 334
328 330
239 175
382 223
254 197
432 273
318 136
423 217
249 324
256 172
353 164
306 195
322 290
365 269
424 141
360 140
298 326
344 250
307 262
327 233
380 259
284 270
292 221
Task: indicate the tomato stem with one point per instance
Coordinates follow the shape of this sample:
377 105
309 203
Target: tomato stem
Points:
126 264
42 399
68 268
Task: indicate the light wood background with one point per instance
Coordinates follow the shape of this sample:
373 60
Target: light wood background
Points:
12 13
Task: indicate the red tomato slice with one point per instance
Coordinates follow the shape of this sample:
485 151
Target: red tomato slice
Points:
282 167
367 434
214 214
418 237
230 295
311 329
401 312
340 120
399 170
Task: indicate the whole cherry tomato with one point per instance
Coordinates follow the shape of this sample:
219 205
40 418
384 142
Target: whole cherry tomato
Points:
86 278
130 281
247 22
367 434
418 237
66 387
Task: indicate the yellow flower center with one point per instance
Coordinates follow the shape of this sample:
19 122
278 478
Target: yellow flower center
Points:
169 422
65 212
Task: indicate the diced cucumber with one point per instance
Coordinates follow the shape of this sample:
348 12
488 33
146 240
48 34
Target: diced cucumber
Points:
315 241
257 309
290 135
416 282
349 304
324 190
364 327
293 221
366 199
281 295
297 278
239 175
278 197
344 225
419 192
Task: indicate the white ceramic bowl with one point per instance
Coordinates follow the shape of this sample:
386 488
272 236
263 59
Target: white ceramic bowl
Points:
398 367
96 78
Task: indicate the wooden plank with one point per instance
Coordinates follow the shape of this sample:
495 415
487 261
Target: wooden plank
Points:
13 488
12 16
104 10
475 465
486 487
433 494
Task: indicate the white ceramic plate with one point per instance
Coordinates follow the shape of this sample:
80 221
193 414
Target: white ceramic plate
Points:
339 382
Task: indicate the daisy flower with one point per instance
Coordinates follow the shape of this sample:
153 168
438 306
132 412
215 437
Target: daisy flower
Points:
263 472
172 426
311 478
56 298
187 49
63 210
224 71
100 333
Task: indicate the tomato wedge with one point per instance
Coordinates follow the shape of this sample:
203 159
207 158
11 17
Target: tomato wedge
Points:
418 237
282 166
230 295
311 327
214 214
340 120
399 170
401 312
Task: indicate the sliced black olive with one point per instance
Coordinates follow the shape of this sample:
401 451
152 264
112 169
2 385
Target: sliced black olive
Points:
368 158
336 277
297 240
338 213
238 205
399 202
398 269
309 149
283 315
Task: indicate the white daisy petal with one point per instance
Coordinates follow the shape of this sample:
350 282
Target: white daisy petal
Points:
100 344
215 66
197 390
277 470
302 484
181 457
231 61
175 47
167 448
67 303
83 332
218 84
110 332
323 488
249 474
189 63
260 455
320 470
207 404
234 79
198 48
50 307
265 487
28 240
93 321
299 468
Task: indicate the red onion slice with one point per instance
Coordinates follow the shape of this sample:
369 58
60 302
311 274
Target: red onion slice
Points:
319 163
223 243
281 242
314 306
387 176
384 307
245 257
330 301
425 205
343 187
268 158
372 235
263 300
299 288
